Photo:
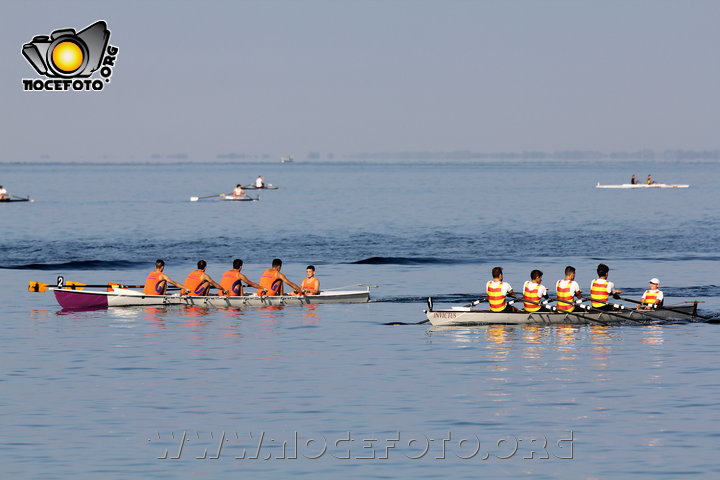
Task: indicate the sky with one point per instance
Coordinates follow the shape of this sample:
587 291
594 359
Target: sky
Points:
287 77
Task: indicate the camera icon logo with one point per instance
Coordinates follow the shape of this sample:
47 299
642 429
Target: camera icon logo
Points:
67 53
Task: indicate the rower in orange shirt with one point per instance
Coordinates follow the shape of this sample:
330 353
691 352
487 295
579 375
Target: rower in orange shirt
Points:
232 280
198 282
156 282
310 284
272 280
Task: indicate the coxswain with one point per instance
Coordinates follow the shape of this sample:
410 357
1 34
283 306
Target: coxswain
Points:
198 282
271 281
651 298
238 191
3 193
650 181
260 182
310 284
534 292
601 289
156 282
566 290
497 290
633 180
232 280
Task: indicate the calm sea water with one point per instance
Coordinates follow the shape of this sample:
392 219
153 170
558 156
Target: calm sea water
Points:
328 391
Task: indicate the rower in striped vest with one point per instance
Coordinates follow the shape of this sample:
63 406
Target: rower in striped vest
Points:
534 291
497 290
566 290
652 298
601 289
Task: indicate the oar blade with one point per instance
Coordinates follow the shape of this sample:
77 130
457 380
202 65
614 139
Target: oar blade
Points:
37 287
194 199
74 285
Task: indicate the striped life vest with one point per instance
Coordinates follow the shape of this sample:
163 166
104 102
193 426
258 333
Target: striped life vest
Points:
562 290
496 297
599 292
650 297
194 283
270 282
153 284
531 292
231 283
311 286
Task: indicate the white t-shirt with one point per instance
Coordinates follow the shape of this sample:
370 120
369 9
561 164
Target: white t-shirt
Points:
259 182
659 294
574 287
541 290
610 286
504 288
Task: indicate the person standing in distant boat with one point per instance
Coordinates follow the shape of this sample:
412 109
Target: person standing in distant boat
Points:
273 280
3 193
198 282
232 280
260 182
534 292
238 191
601 289
566 290
650 180
310 284
652 298
156 282
633 180
497 290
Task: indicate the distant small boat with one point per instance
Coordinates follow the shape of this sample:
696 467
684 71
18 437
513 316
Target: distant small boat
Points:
286 159
642 185
267 186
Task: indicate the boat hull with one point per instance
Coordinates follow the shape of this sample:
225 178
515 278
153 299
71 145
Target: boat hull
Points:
467 317
84 299
642 185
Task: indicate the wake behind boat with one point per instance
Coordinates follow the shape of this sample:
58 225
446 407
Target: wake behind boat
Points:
73 299
468 316
642 185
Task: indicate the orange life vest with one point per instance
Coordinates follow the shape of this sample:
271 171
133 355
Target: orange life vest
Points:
563 293
531 291
311 286
231 283
598 291
270 282
194 283
153 284
496 297
650 297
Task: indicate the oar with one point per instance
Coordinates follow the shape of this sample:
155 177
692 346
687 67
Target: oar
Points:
668 308
476 302
41 287
589 319
622 307
27 199
195 199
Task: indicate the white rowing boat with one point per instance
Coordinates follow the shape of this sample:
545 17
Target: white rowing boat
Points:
241 198
467 316
642 185
72 299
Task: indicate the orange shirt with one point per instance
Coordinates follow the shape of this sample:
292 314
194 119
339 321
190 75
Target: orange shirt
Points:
153 284
311 286
270 282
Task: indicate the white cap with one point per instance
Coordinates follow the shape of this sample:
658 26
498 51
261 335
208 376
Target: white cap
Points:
654 280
